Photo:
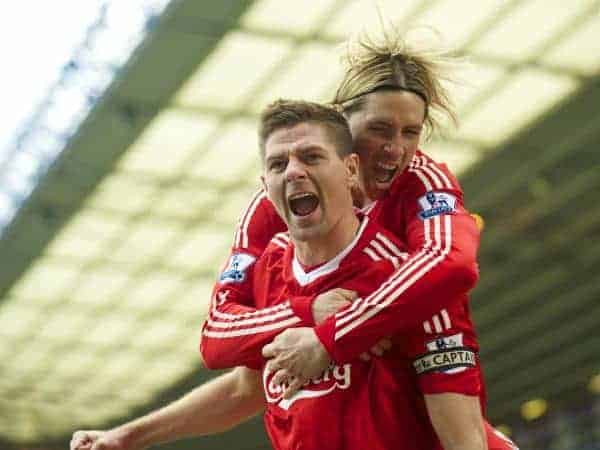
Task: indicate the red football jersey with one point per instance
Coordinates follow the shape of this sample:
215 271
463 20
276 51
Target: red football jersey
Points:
357 404
426 288
424 209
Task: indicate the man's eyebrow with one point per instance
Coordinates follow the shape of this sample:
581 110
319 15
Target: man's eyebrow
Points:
310 147
277 155
387 121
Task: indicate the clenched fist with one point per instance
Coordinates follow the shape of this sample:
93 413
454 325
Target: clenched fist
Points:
102 440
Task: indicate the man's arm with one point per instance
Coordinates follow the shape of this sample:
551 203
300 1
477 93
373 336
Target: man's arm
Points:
235 330
457 420
302 353
442 266
213 407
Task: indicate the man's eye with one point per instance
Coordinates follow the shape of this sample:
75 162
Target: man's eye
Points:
276 166
380 129
312 157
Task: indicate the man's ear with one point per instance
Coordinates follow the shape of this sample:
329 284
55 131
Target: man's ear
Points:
351 162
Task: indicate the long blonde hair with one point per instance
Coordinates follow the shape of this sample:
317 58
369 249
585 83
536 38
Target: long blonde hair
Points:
390 63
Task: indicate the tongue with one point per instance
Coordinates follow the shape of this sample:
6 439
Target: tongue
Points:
303 206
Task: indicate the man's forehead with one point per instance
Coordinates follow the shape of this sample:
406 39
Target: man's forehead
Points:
299 136
394 106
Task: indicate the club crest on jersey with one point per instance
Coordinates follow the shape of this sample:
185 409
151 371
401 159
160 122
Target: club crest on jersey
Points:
445 354
335 377
235 272
436 203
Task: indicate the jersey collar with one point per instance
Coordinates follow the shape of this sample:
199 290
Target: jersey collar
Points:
304 278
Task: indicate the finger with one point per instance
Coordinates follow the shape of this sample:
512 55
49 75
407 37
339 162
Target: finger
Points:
347 294
270 350
267 350
273 365
79 439
282 377
293 386
365 356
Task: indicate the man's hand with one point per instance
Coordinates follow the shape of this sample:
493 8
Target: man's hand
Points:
296 355
101 440
330 302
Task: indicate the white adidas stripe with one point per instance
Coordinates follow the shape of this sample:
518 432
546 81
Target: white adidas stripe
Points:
446 181
446 318
437 183
419 260
279 242
258 312
244 322
427 327
423 179
284 235
383 252
378 301
369 251
390 245
393 259
387 285
437 325
241 235
423 260
447 324
247 331
386 288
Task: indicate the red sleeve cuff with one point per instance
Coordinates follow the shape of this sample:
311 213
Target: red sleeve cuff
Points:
302 307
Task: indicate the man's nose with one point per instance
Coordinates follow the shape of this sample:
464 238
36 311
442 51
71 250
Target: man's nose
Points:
393 150
295 170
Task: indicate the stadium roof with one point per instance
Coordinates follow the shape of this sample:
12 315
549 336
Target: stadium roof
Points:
107 269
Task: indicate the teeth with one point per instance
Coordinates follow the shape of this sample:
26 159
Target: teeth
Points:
387 166
299 195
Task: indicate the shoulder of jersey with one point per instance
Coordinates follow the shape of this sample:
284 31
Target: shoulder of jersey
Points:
267 205
259 207
423 173
279 242
381 245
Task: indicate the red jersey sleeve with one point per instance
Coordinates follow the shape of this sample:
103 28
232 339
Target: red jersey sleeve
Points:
235 330
444 353
442 240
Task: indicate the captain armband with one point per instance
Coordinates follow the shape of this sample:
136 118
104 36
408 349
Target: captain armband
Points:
450 360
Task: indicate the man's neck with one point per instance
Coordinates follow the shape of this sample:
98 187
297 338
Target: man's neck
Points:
360 199
321 249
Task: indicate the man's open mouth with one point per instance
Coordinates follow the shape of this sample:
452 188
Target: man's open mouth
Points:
303 203
384 173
